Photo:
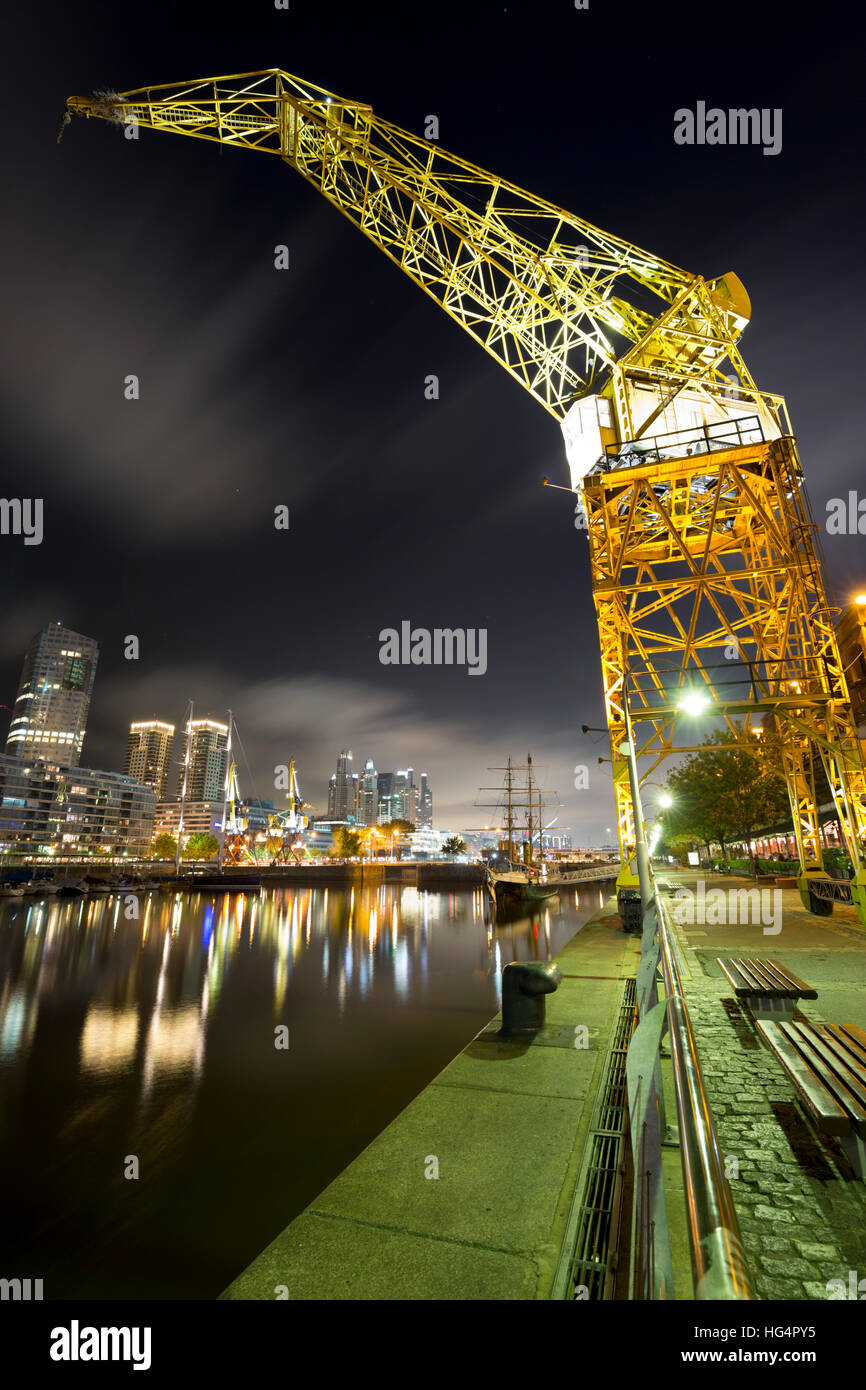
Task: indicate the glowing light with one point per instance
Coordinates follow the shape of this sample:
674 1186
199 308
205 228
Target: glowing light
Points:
694 703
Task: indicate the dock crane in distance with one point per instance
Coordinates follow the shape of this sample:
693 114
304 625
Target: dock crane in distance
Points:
688 480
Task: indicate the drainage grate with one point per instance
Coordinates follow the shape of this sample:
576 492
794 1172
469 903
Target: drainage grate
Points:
594 1222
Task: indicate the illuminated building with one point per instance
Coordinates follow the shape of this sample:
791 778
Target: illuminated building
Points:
148 753
199 818
343 790
425 804
368 795
49 808
50 713
398 796
207 761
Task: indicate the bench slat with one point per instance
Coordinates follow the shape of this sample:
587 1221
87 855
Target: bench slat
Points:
856 1037
758 975
736 979
848 1088
776 981
824 1106
749 982
853 1055
806 991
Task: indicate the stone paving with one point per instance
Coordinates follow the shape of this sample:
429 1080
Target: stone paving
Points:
802 1212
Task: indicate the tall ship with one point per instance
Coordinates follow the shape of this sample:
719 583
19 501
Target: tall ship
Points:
519 877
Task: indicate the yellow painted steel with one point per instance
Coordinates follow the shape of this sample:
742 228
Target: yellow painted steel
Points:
705 539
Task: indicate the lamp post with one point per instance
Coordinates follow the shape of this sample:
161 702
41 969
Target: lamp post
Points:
627 749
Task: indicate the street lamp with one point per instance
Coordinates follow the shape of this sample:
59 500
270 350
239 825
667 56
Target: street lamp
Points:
693 702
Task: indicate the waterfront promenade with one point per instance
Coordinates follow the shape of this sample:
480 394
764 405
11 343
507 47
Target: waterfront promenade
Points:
506 1125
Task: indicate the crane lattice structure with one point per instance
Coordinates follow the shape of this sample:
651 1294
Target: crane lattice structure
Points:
689 485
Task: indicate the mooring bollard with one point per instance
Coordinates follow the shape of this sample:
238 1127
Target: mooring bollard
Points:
524 985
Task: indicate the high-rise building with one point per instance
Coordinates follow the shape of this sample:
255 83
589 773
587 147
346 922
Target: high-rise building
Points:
343 790
148 754
50 714
397 796
207 760
368 795
425 804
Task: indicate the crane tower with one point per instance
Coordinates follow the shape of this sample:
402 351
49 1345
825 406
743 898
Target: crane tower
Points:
704 552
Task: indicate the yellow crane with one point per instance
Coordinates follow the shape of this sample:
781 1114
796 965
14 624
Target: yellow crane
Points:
705 555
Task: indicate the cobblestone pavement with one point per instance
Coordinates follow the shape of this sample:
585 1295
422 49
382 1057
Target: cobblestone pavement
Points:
802 1212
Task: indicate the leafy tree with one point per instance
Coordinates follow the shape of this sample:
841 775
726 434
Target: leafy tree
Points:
201 846
726 795
454 845
401 827
164 846
347 843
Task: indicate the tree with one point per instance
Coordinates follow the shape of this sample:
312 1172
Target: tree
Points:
454 845
201 846
164 846
399 827
726 795
347 843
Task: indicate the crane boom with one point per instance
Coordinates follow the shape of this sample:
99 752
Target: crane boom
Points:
701 537
554 299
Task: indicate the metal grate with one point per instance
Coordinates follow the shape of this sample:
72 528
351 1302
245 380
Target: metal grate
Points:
595 1214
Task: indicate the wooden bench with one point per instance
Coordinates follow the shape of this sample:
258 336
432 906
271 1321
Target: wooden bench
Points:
769 990
827 1064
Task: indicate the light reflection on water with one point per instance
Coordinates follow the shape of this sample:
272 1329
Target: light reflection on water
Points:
154 1036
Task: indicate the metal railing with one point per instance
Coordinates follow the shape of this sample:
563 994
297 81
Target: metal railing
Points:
719 1268
730 433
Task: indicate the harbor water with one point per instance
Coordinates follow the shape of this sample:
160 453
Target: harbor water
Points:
181 1074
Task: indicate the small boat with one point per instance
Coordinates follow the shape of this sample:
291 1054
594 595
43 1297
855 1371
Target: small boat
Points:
71 888
37 887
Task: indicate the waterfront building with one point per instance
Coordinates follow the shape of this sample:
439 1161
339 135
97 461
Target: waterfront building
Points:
49 718
199 818
343 790
368 795
425 804
255 812
55 809
397 796
148 754
207 760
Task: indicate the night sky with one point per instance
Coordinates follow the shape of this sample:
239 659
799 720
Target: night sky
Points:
155 257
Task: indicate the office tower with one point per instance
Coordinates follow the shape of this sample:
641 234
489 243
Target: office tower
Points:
397 796
207 760
343 790
425 803
50 714
148 754
384 783
368 795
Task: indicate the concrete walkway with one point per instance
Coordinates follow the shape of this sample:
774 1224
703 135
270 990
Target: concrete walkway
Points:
466 1194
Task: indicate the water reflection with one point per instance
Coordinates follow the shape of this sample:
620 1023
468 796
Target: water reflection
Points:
147 1027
